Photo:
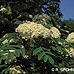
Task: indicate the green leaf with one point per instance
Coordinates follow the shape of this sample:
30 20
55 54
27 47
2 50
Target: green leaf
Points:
56 45
17 52
37 50
41 55
59 48
64 50
16 41
10 48
10 55
18 22
4 38
48 25
23 52
32 45
53 39
60 40
45 58
3 65
62 29
4 57
0 60
7 44
5 71
50 53
53 48
15 46
44 48
50 59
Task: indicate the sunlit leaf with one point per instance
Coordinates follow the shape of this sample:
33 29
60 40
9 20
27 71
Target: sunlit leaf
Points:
41 55
50 59
50 53
23 52
37 50
45 58
17 52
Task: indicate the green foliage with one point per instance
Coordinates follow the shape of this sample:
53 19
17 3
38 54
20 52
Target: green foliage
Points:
46 50
45 58
48 25
18 22
64 42
6 54
51 60
67 26
37 50
23 52
32 45
47 54
42 54
5 71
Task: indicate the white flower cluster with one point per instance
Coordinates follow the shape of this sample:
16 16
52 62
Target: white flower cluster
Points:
6 41
71 52
16 70
55 32
30 30
70 38
42 18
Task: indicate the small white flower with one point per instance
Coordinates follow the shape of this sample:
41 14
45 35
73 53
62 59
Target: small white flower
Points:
5 41
12 50
3 9
70 38
30 16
